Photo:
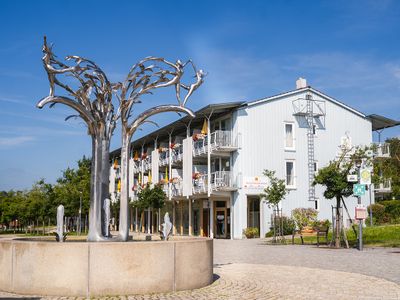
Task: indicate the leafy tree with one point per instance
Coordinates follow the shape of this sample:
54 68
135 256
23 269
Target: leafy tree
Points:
334 178
273 195
151 197
389 168
74 184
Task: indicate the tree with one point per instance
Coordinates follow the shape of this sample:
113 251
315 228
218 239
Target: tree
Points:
334 178
389 168
273 195
72 187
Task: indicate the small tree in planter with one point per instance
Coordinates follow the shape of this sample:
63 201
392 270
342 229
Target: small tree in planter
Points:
273 195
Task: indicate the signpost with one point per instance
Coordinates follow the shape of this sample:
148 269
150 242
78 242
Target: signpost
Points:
358 189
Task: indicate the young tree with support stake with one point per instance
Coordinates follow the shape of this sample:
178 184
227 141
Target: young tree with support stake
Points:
273 195
334 178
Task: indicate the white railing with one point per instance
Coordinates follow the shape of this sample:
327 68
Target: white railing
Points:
176 188
221 180
300 107
384 187
381 149
200 184
221 140
177 153
147 163
164 158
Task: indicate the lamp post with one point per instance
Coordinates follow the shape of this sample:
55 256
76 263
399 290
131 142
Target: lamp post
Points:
358 163
80 213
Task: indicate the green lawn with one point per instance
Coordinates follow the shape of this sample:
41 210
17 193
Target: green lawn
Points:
377 236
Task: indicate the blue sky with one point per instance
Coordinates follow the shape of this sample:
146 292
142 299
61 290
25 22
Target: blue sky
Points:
251 49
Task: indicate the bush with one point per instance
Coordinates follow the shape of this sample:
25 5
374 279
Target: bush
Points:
251 232
288 226
385 212
304 217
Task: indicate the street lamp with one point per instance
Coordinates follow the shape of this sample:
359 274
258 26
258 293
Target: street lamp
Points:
80 213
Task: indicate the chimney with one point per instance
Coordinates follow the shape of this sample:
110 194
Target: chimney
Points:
301 83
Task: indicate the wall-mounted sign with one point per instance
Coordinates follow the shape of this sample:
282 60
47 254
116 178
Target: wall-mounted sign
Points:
255 182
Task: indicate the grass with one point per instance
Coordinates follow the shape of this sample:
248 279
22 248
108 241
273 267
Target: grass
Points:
377 236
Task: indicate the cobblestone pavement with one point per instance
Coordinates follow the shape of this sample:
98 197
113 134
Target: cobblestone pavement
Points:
379 262
249 269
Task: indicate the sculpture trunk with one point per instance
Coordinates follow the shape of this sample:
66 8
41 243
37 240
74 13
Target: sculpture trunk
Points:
124 196
105 179
95 228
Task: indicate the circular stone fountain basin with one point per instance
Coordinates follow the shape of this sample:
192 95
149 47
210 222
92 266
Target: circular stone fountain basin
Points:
37 267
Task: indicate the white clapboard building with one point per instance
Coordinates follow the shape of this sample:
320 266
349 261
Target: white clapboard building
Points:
211 167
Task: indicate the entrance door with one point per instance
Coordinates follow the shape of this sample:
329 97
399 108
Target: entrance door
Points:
220 222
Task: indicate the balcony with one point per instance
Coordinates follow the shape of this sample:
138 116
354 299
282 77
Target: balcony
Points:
383 187
164 158
177 153
147 163
220 141
220 181
381 150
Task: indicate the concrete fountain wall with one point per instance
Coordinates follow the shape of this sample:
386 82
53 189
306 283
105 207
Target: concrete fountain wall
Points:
96 269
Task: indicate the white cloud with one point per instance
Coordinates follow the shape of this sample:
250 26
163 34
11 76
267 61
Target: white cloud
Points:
15 141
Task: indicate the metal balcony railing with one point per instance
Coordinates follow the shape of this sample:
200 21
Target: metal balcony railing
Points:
384 187
177 153
164 158
200 184
220 140
381 149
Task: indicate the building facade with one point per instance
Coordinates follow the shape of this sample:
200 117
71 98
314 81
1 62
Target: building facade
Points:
211 167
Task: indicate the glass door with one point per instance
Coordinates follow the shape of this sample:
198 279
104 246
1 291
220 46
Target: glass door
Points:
220 223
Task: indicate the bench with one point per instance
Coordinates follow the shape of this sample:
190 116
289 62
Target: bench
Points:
319 232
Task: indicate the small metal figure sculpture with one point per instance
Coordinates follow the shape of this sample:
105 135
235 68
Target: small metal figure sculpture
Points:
167 226
60 235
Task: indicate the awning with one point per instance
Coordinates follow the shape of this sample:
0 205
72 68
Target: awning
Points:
380 122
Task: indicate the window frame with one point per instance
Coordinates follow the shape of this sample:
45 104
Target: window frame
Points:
293 148
294 185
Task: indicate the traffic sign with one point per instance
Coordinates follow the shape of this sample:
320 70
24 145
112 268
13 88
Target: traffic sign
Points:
352 178
358 189
365 176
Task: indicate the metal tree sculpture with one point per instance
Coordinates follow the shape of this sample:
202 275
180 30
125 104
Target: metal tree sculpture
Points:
149 74
92 100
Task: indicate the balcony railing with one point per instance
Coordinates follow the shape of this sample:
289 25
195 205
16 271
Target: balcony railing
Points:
381 150
222 180
384 187
177 153
200 184
147 163
220 140
164 158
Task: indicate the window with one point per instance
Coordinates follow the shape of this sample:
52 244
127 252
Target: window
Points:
315 167
316 205
253 212
290 174
289 136
314 129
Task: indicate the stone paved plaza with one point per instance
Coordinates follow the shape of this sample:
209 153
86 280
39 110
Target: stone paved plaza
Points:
250 269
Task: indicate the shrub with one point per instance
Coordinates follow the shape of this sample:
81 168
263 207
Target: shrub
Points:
304 217
378 213
392 210
251 232
321 224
